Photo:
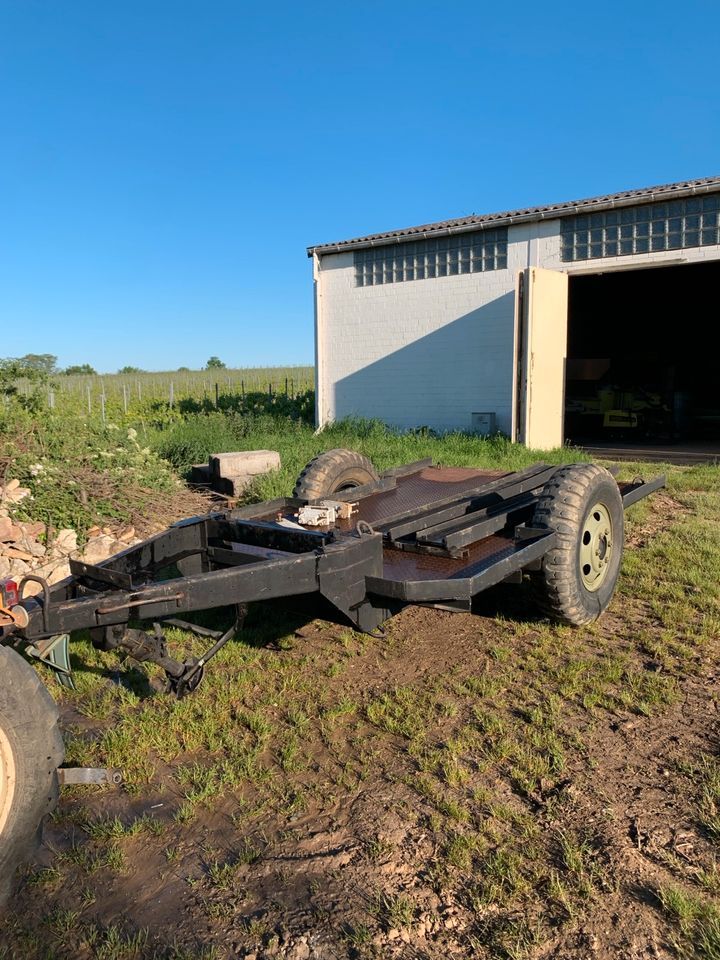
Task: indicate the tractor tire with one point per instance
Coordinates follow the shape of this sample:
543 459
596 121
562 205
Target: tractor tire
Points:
332 472
31 750
577 579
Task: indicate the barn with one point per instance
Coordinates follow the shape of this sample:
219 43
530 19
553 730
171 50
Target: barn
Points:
582 321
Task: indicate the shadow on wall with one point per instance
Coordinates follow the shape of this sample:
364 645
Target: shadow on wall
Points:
440 379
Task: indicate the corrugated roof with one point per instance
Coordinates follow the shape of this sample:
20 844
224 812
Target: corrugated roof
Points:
548 211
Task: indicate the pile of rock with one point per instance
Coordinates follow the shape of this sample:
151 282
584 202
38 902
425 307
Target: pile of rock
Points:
232 473
33 547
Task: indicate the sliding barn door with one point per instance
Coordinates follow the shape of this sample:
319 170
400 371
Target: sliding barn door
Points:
542 318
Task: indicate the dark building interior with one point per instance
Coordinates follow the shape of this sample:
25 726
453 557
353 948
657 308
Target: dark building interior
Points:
644 356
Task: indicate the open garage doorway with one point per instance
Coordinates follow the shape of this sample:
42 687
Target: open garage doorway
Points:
643 359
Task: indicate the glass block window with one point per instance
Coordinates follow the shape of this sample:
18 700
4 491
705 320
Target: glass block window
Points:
692 222
436 257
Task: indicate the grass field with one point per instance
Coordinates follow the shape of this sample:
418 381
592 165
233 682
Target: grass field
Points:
487 785
297 441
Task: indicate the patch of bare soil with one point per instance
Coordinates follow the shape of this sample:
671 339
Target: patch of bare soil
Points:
638 803
427 644
665 511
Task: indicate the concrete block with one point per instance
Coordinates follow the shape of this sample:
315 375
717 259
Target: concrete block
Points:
244 463
200 473
232 486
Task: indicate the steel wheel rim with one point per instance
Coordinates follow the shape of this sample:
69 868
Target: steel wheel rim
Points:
596 547
7 779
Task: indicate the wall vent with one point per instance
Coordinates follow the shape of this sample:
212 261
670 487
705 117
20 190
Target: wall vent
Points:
483 424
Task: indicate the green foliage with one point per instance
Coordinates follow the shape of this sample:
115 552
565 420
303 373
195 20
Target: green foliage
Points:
131 395
79 473
10 372
214 363
193 440
44 363
80 369
698 921
129 369
241 421
255 403
15 371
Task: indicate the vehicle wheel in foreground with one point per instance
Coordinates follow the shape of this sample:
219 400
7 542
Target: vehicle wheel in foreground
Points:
332 472
31 750
582 504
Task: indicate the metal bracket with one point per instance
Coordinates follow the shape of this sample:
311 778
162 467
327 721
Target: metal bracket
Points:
515 577
54 652
524 532
70 775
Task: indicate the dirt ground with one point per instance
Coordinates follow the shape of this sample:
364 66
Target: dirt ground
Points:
380 859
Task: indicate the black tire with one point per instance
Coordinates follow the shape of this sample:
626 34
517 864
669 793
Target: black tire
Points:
332 472
31 749
582 504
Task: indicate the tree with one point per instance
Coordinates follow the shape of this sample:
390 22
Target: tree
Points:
80 368
44 363
183 369
12 370
130 369
214 363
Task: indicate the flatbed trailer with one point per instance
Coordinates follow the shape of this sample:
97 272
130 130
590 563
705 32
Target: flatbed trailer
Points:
368 544
416 534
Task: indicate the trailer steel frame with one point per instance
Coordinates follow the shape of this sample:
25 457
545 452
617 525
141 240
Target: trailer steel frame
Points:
419 534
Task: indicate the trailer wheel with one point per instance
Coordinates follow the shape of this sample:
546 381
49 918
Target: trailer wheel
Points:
332 472
31 749
577 579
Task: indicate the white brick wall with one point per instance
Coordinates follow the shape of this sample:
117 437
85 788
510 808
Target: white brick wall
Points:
431 352
423 352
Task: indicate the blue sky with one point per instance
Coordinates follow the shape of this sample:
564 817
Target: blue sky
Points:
164 165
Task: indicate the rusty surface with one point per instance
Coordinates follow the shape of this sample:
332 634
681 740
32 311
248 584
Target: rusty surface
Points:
415 492
418 491
400 565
